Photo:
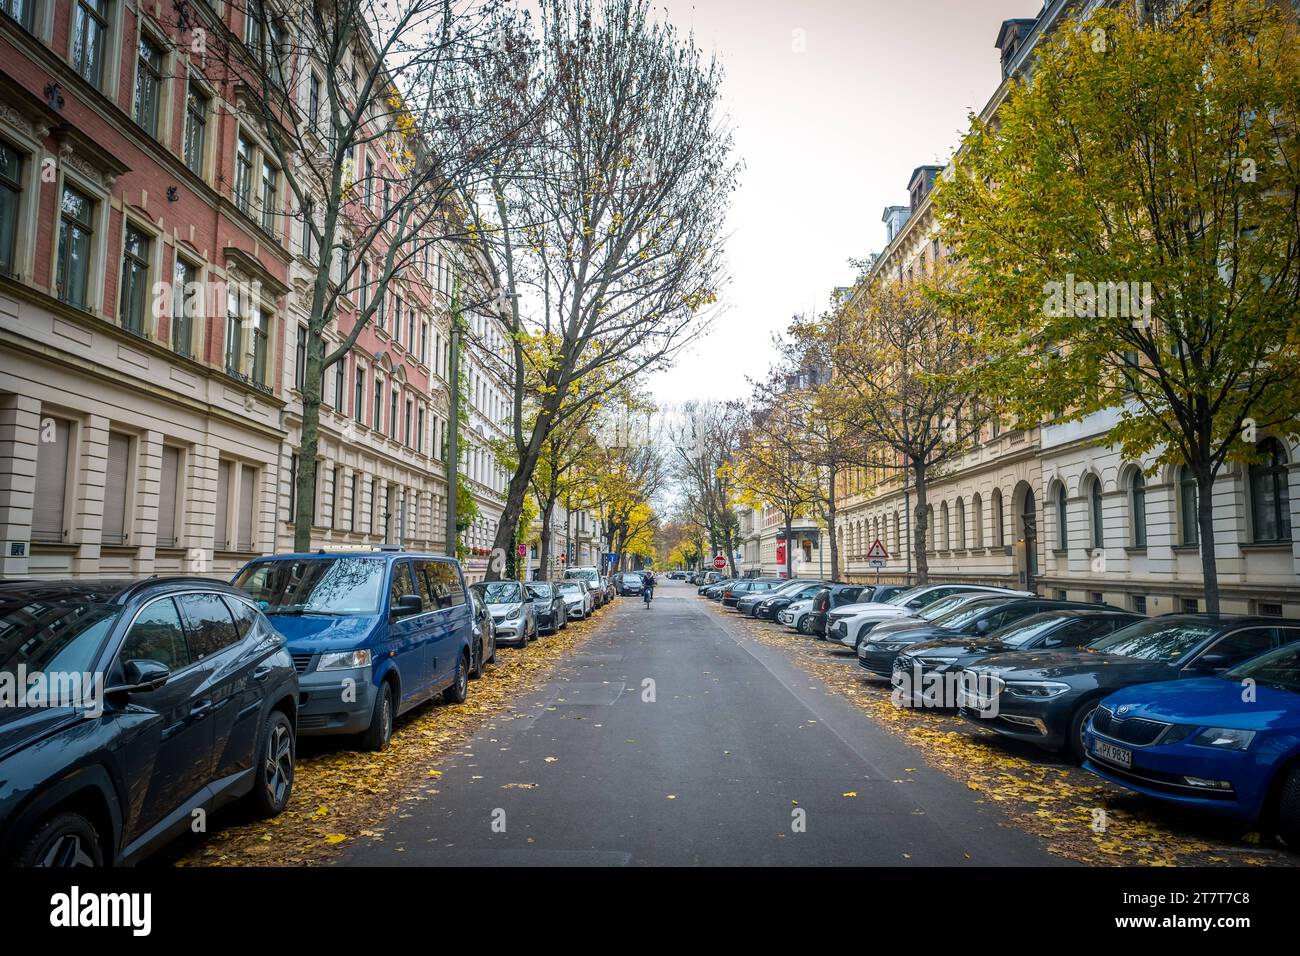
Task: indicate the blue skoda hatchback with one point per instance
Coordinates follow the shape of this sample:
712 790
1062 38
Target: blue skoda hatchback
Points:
372 634
1228 744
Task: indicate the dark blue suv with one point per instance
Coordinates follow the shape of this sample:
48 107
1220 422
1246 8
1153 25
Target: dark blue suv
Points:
132 709
372 634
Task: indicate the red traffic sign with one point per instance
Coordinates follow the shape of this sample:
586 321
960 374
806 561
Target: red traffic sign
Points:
719 562
522 550
878 551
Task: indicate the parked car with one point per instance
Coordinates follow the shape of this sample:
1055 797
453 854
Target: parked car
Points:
981 617
485 634
768 608
849 624
1047 696
396 624
591 576
676 575
733 591
512 611
714 591
951 655
841 595
629 583
1205 743
748 605
549 609
709 579
195 708
798 616
577 598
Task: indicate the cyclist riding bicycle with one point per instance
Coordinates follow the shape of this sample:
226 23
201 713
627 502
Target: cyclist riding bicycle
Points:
647 586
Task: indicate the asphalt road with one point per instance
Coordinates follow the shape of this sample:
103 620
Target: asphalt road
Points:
714 770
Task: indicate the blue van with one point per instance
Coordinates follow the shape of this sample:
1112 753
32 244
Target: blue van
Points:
372 634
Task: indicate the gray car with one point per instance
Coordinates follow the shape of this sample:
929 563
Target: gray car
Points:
512 611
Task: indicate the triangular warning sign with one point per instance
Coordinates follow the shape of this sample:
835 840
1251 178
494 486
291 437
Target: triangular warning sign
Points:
878 551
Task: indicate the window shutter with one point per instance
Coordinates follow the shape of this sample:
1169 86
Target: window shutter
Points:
119 450
220 542
51 484
168 483
247 506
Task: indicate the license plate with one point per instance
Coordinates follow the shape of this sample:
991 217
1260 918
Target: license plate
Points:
1116 755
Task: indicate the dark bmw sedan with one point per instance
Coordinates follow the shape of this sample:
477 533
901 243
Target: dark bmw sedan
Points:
138 703
978 618
552 613
1047 696
733 591
917 669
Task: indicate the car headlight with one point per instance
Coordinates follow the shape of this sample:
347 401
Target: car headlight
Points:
343 660
935 661
1224 738
885 647
514 612
1036 689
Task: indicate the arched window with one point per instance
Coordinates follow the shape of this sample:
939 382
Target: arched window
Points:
947 536
1137 504
1095 516
1270 499
1062 521
999 520
898 542
961 523
929 528
977 520
1187 523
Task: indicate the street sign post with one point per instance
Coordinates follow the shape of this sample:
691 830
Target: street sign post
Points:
876 557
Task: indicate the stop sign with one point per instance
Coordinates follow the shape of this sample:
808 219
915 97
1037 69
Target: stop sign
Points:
719 562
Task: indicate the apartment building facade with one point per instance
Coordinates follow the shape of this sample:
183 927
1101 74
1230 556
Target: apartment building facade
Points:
154 287
1056 507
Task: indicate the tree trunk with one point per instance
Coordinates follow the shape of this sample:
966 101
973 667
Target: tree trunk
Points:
830 524
308 444
730 545
1205 526
544 549
920 524
789 549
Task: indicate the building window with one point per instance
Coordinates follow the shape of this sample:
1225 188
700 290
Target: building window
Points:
1095 513
53 459
370 183
246 539
148 85
261 345
392 413
410 331
359 394
377 412
336 508
1062 520
1191 606
244 176
270 185
186 293
419 431
135 280
20 10
961 524
196 128
977 520
11 192
1187 510
75 233
340 388
293 489
355 490
221 540
313 99
234 334
1138 508
89 39
1139 602
169 487
116 469
406 423
424 343
1270 498
999 521
397 321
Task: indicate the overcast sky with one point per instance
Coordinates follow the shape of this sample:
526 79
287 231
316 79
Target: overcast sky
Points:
834 103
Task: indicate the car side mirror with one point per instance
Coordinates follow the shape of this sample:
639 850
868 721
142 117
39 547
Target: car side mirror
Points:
407 605
1213 662
141 676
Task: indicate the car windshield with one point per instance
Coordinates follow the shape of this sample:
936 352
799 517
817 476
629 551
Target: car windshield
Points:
502 592
942 606
315 585
1279 669
1024 632
52 635
901 597
569 587
958 618
1154 640
541 592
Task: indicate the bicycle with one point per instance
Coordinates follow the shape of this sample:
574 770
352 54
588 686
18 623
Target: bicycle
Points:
646 594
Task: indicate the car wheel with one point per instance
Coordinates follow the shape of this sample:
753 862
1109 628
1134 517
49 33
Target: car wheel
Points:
64 840
805 625
1077 724
380 731
1288 809
476 660
459 689
275 760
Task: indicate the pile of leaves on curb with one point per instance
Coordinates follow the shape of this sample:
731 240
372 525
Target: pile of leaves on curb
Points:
340 792
1083 817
